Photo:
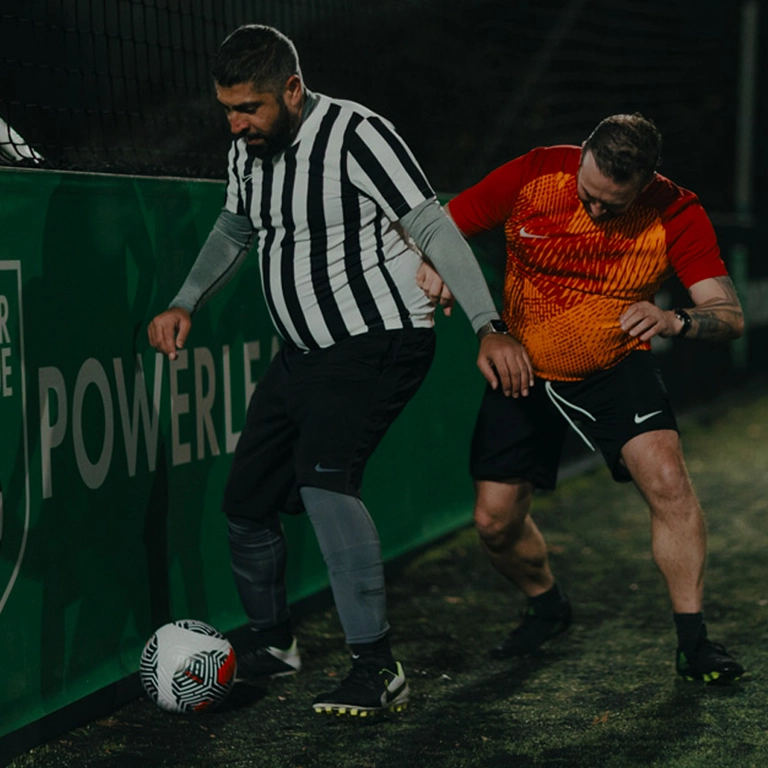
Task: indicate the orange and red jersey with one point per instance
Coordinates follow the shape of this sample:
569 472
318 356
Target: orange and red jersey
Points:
568 278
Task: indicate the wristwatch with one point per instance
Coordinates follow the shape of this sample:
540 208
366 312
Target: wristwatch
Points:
492 326
683 316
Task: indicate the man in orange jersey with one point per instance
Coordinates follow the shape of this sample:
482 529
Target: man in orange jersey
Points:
591 234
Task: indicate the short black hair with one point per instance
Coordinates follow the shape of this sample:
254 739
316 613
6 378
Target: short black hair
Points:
256 54
626 147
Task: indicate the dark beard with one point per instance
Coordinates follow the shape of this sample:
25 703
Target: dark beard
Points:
278 139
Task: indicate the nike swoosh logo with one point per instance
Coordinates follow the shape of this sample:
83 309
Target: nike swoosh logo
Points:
640 419
530 236
318 468
390 695
248 178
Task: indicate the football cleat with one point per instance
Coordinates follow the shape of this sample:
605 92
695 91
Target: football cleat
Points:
532 631
711 663
268 661
366 690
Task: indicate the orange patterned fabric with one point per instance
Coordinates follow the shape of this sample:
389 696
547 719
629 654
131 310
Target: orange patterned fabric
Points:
568 278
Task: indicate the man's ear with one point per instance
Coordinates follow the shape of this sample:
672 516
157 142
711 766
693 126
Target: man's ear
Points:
293 93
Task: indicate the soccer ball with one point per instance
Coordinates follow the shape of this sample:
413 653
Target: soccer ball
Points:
187 666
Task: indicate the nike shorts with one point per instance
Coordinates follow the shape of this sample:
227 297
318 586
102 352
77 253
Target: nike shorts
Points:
315 418
523 438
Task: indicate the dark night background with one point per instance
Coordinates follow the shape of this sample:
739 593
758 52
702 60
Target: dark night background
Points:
123 86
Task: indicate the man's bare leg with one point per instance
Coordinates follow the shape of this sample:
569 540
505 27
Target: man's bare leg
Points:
517 550
679 542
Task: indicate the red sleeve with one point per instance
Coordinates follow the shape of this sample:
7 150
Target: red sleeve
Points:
488 204
692 244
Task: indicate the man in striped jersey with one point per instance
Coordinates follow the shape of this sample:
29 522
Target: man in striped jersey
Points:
340 213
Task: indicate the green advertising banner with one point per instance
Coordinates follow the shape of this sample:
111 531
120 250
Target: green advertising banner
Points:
113 460
14 469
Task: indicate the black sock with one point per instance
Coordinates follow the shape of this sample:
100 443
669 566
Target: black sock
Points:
691 629
280 636
376 653
548 604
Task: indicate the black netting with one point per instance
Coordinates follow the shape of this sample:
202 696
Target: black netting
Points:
123 86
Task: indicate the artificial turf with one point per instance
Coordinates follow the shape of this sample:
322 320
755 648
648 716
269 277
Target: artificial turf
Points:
604 694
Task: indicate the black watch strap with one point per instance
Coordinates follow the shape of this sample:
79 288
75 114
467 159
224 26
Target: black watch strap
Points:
683 316
492 326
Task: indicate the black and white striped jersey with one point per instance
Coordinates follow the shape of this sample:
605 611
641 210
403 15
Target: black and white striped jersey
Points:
334 261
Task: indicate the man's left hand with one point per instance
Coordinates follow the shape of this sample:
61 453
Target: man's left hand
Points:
645 320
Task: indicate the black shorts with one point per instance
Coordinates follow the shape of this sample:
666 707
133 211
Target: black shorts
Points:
523 438
315 418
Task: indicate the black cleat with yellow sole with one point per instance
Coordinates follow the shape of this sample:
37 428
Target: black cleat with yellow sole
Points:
366 690
710 663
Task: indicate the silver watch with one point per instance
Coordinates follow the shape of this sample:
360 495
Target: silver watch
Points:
492 326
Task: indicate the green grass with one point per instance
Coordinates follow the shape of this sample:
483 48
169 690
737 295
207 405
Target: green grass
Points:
605 694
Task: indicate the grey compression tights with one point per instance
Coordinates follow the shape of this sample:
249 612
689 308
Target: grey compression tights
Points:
258 556
350 545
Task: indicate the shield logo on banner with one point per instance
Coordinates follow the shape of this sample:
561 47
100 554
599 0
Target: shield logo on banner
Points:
14 445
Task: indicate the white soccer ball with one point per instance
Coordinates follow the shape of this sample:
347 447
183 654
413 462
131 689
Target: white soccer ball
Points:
187 666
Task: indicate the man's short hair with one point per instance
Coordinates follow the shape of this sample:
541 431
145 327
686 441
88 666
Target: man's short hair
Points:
626 147
259 55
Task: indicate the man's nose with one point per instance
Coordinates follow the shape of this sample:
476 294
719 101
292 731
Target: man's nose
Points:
237 122
596 210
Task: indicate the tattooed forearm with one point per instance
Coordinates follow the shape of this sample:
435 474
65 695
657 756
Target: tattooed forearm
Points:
720 319
714 324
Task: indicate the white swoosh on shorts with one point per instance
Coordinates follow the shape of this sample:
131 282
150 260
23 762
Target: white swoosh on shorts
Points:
530 236
640 419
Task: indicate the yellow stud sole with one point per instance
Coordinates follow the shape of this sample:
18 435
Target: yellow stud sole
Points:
711 678
357 711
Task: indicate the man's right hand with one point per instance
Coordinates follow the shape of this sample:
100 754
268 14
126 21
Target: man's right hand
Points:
428 279
168 331
503 360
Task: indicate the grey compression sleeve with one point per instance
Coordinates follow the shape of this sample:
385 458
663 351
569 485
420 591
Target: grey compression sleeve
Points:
440 241
218 261
224 251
